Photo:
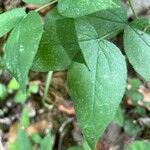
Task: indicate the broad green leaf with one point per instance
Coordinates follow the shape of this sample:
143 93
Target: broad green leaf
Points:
9 19
22 46
88 40
51 54
61 38
78 8
23 141
46 143
119 118
137 46
99 89
85 145
109 22
37 2
139 145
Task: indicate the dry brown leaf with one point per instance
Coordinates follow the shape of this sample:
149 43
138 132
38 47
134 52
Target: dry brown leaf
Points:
146 93
38 127
66 107
12 132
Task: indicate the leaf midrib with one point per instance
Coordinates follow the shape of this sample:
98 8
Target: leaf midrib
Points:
95 79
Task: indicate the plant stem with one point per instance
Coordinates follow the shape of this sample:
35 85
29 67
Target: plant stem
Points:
132 8
47 85
46 5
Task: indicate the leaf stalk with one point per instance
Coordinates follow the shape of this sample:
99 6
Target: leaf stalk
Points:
132 9
47 85
55 1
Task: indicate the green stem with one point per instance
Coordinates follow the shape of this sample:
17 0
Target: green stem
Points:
46 5
132 8
47 85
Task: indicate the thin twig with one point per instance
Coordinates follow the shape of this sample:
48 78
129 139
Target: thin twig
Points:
62 132
132 8
46 5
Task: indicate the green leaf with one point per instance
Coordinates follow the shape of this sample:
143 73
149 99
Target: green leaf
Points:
119 118
51 54
137 46
62 37
46 143
11 146
135 84
37 2
108 23
33 88
78 8
25 120
9 19
139 145
135 96
20 97
13 85
36 138
140 111
76 148
84 146
22 46
23 141
132 128
99 89
3 91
